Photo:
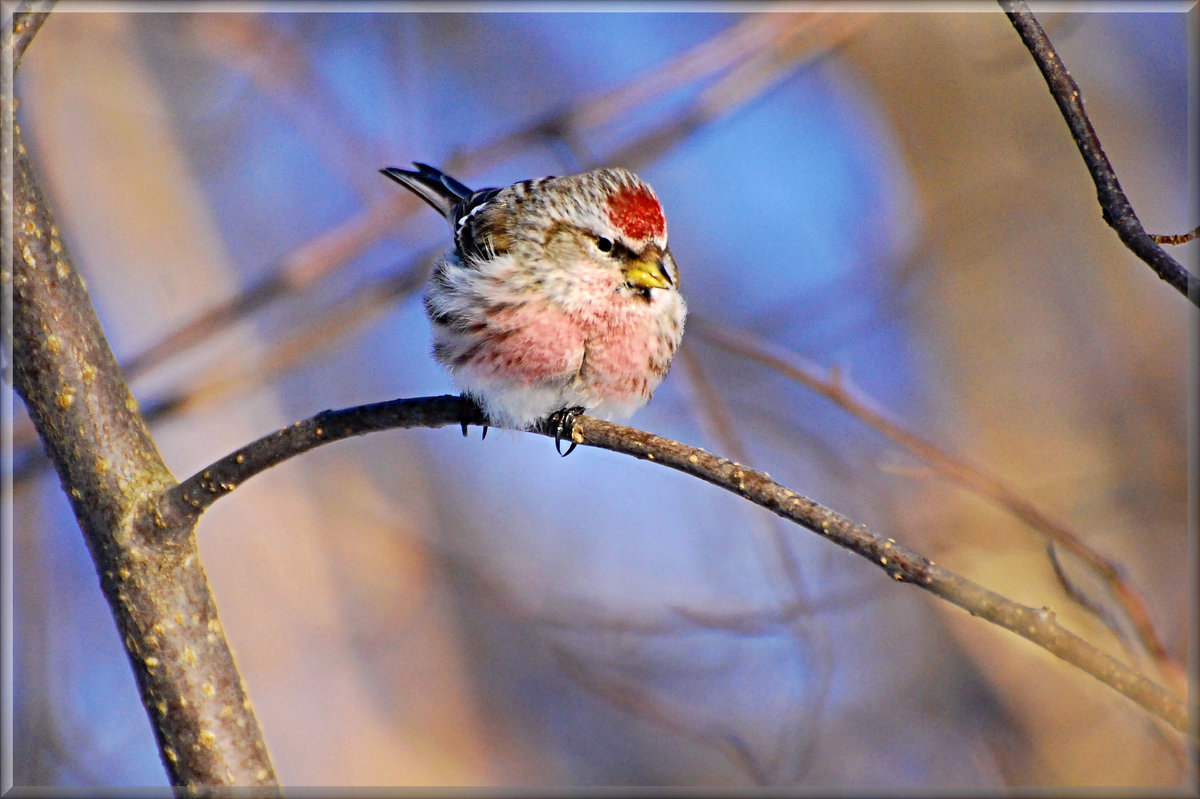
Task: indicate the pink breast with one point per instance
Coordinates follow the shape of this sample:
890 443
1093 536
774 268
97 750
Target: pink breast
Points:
532 343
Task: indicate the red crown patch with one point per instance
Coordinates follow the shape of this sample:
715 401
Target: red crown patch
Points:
636 213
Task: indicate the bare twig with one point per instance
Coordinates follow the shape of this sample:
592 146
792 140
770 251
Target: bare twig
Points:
333 249
275 61
780 558
185 502
666 621
1118 211
1176 238
831 385
901 563
150 571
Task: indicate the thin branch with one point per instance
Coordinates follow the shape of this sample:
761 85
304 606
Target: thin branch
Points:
187 500
664 622
1176 238
150 571
715 414
297 272
1118 211
776 550
275 61
333 249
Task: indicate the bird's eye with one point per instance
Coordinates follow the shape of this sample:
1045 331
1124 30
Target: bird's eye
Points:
603 244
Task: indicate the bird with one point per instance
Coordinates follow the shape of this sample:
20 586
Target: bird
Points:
558 297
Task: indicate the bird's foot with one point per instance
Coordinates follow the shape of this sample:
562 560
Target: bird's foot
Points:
463 425
563 422
481 437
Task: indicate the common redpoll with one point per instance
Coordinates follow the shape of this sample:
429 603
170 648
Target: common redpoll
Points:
560 295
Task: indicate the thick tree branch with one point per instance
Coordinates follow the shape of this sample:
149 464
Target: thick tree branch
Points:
110 468
186 501
1118 211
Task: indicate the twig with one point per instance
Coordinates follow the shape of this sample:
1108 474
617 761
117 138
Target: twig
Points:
298 271
333 249
275 61
187 500
1118 211
1176 238
666 621
712 410
110 468
150 572
901 563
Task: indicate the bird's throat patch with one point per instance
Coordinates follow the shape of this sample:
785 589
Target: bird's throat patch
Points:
636 213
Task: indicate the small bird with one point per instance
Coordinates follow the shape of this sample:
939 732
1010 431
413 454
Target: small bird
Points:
559 296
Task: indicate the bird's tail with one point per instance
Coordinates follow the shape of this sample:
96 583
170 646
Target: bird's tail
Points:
432 185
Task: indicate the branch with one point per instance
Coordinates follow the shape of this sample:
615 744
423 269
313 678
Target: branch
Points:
150 570
186 501
1118 211
1176 238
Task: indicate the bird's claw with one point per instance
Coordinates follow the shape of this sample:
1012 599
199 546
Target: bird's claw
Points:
564 421
482 435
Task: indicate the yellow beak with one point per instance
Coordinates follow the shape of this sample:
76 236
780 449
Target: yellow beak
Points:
648 272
